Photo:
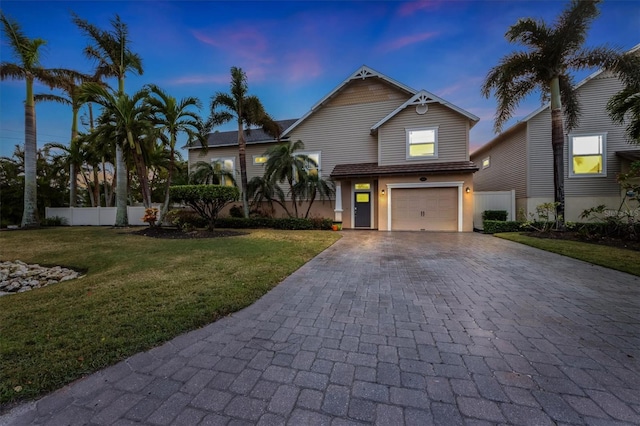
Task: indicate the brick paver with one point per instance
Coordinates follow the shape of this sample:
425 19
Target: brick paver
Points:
391 329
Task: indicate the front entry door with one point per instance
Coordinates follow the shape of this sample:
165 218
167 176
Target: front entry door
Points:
362 210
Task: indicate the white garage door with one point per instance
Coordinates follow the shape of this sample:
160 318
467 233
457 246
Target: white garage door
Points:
424 209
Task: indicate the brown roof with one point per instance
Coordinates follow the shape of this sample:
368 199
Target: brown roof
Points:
632 155
253 136
342 171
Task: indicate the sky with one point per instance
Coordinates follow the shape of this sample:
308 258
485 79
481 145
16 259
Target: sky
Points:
293 52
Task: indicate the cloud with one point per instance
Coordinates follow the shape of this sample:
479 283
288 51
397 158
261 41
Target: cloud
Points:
411 7
303 65
199 79
401 42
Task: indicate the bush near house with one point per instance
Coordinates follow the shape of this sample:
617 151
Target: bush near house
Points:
206 200
496 226
495 215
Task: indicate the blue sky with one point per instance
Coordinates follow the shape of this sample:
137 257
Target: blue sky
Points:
294 52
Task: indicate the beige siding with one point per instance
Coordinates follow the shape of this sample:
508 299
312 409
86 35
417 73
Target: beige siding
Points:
367 91
342 133
507 169
453 135
593 98
540 156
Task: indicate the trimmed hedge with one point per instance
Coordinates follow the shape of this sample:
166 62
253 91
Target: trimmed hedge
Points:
206 200
496 226
495 215
290 223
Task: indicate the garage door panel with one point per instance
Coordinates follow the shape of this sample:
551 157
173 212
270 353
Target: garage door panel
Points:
428 209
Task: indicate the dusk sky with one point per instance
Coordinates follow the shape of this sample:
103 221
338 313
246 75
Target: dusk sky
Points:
294 53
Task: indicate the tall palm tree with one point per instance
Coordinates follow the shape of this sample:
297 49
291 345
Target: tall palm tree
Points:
625 105
128 117
28 68
552 53
110 49
248 111
263 189
284 163
173 117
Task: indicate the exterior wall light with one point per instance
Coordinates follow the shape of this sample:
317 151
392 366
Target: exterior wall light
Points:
468 190
382 192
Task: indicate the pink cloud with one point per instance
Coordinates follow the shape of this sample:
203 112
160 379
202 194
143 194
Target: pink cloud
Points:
303 65
411 7
401 42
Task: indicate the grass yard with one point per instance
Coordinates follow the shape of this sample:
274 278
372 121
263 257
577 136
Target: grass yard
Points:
611 257
137 293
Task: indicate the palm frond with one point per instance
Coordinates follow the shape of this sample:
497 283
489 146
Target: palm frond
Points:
569 99
9 71
50 97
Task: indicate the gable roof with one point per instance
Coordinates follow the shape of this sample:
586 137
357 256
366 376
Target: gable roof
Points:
423 98
254 136
360 74
342 171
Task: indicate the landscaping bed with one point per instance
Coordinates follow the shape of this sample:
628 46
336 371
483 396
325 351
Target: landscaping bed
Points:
178 234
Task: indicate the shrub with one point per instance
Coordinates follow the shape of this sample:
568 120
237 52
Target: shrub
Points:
206 200
55 221
289 223
496 226
236 211
185 219
495 215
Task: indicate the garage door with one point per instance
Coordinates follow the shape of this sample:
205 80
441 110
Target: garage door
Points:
424 209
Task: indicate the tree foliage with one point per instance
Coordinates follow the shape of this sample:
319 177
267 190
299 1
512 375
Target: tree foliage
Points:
206 200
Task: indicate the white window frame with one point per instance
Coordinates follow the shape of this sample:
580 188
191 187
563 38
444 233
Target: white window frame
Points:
257 156
488 160
408 131
223 160
603 173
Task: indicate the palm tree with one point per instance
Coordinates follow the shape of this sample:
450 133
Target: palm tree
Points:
248 111
311 186
284 163
553 52
28 68
114 58
213 173
626 103
128 117
172 117
263 189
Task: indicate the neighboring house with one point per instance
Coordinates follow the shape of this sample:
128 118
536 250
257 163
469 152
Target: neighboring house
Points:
399 157
521 157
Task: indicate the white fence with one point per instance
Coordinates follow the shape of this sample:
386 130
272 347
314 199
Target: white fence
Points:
96 216
493 200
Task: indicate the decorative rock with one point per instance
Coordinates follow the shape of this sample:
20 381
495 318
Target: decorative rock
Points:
18 277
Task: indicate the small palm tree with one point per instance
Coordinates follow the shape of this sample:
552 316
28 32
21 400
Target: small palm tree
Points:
248 111
311 186
262 189
553 52
27 68
213 173
625 105
114 58
173 117
285 164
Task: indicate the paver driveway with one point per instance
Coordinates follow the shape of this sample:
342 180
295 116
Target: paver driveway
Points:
391 329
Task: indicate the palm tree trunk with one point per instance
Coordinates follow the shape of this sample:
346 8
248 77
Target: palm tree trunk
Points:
73 178
96 185
172 160
121 189
242 157
105 185
30 212
143 179
557 142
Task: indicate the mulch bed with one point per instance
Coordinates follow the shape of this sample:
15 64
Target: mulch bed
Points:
177 234
574 236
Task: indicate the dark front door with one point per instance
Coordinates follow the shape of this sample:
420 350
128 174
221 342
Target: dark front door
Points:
362 210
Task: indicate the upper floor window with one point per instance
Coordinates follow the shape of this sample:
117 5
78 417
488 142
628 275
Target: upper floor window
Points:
422 143
588 155
486 162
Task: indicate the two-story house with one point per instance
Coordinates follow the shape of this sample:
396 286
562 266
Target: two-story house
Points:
399 157
521 157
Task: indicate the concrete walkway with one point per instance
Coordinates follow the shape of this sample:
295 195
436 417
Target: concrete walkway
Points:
391 329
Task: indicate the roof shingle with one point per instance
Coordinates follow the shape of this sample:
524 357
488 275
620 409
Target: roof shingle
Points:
342 171
255 136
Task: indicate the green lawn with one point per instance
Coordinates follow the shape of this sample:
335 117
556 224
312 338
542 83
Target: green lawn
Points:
611 257
137 293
